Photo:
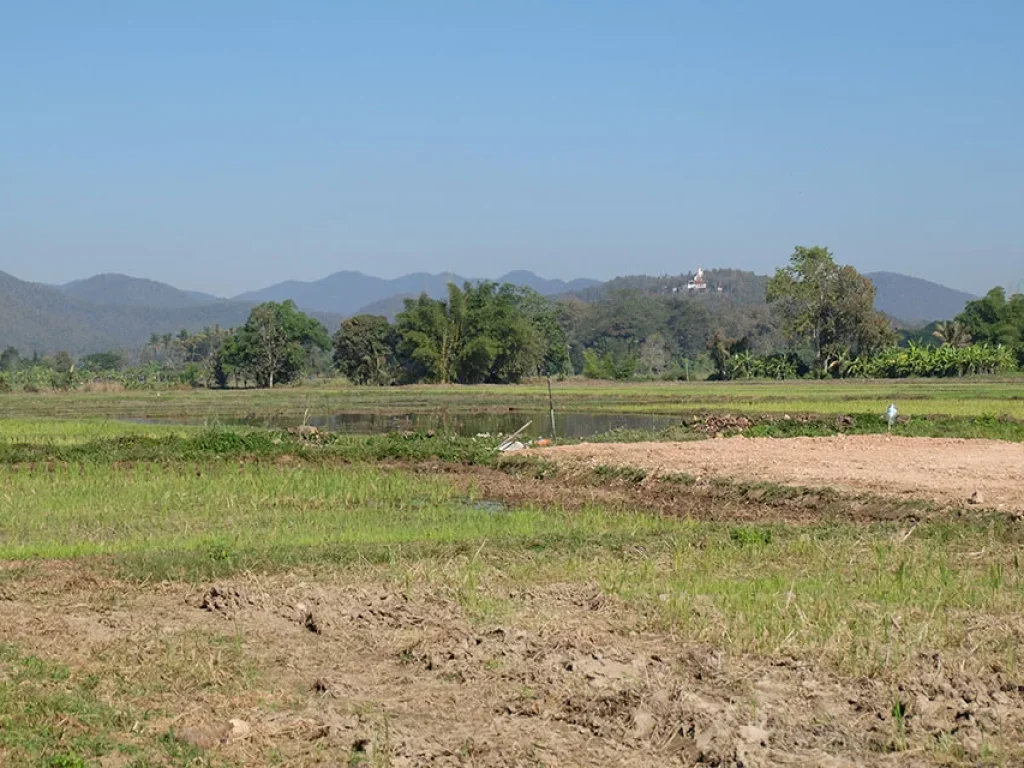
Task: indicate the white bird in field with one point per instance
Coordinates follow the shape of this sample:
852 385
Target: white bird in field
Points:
890 414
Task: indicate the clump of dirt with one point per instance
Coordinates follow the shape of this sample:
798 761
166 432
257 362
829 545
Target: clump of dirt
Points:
726 424
312 623
716 424
226 600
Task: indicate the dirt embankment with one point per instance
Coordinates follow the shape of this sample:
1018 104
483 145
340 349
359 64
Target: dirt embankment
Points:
988 473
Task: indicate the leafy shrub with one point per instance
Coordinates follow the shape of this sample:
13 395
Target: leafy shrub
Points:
926 361
895 363
607 366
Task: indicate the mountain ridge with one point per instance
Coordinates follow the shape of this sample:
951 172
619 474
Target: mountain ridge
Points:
916 300
43 318
347 292
114 311
134 292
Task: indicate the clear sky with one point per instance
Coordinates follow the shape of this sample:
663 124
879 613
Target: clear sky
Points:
227 145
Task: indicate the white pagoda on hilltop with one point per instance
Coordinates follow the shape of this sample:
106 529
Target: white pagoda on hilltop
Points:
698 283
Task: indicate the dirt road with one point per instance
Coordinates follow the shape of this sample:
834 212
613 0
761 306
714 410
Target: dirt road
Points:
943 470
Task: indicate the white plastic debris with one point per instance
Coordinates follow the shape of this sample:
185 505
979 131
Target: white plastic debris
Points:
890 415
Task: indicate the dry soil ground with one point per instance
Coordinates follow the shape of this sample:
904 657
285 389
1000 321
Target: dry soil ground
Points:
329 671
943 470
348 668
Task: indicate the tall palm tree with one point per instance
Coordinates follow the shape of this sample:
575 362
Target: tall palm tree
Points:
952 333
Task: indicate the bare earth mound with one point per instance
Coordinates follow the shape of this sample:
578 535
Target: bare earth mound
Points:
944 470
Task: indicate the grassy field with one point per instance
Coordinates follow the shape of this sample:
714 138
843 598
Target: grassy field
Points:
149 578
963 398
179 522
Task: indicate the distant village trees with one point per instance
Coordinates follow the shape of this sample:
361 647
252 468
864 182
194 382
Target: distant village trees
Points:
828 307
274 345
814 317
997 320
479 333
364 350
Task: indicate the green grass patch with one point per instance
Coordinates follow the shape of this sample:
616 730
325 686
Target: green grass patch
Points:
52 717
67 432
967 397
866 596
210 444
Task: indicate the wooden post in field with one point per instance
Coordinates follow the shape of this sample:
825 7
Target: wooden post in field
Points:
551 406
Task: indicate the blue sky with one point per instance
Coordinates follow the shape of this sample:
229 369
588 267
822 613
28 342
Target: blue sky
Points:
225 146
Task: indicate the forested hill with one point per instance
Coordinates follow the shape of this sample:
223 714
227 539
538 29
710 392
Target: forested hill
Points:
743 288
349 292
44 319
910 301
916 301
122 290
116 311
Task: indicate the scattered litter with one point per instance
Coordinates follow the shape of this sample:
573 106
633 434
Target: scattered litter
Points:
890 415
510 443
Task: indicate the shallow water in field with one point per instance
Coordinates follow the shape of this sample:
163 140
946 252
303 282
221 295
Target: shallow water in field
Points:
567 425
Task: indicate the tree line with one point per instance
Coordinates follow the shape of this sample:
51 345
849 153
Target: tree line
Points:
817 318
481 333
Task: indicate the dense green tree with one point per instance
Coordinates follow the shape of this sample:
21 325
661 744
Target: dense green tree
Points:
431 335
608 365
481 333
624 315
210 351
612 332
62 362
10 359
364 350
547 322
994 319
652 317
274 345
499 345
827 306
103 361
220 366
688 325
653 358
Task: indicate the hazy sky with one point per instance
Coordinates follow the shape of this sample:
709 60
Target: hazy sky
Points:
225 146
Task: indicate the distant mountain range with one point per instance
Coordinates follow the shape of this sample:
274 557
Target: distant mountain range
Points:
915 301
135 292
43 318
349 293
119 312
116 311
